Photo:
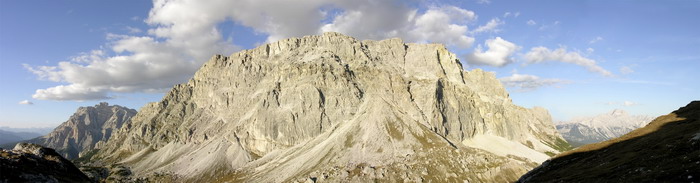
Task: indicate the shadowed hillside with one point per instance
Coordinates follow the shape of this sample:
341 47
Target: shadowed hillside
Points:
667 149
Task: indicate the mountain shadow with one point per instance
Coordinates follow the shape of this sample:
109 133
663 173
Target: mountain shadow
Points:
666 150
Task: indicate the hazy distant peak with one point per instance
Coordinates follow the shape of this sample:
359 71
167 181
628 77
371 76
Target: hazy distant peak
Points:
584 130
618 112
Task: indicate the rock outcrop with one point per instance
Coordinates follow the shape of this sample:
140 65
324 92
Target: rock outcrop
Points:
586 130
85 129
33 163
665 150
331 107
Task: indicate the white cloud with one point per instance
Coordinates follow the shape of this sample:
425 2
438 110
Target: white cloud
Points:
541 54
508 14
629 103
75 92
442 25
524 82
182 37
626 70
182 34
549 26
590 50
370 19
595 40
133 29
644 82
491 26
26 102
498 55
483 1
623 103
531 22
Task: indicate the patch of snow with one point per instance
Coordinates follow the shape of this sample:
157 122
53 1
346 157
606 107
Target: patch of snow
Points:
503 147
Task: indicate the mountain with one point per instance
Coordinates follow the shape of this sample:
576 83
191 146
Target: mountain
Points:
586 130
10 136
85 128
665 150
33 163
330 107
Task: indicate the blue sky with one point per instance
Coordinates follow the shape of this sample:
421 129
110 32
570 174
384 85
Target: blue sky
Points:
573 58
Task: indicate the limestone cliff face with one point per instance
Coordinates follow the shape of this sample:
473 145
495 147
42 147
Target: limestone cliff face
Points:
88 126
332 107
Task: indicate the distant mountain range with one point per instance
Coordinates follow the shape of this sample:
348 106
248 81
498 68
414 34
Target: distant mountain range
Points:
37 130
10 136
586 130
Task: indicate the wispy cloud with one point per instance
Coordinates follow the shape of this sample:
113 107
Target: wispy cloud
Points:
623 103
646 82
595 40
543 54
524 82
531 22
491 26
626 70
26 102
133 30
548 26
629 103
483 1
509 14
590 50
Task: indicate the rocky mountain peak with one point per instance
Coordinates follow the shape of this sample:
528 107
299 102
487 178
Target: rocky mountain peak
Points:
85 128
328 104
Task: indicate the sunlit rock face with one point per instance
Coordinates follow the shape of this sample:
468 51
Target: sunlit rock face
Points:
330 107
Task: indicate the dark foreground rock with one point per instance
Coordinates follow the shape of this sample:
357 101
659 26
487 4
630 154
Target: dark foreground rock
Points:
33 163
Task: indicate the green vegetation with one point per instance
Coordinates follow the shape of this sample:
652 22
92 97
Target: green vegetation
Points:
85 158
560 145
